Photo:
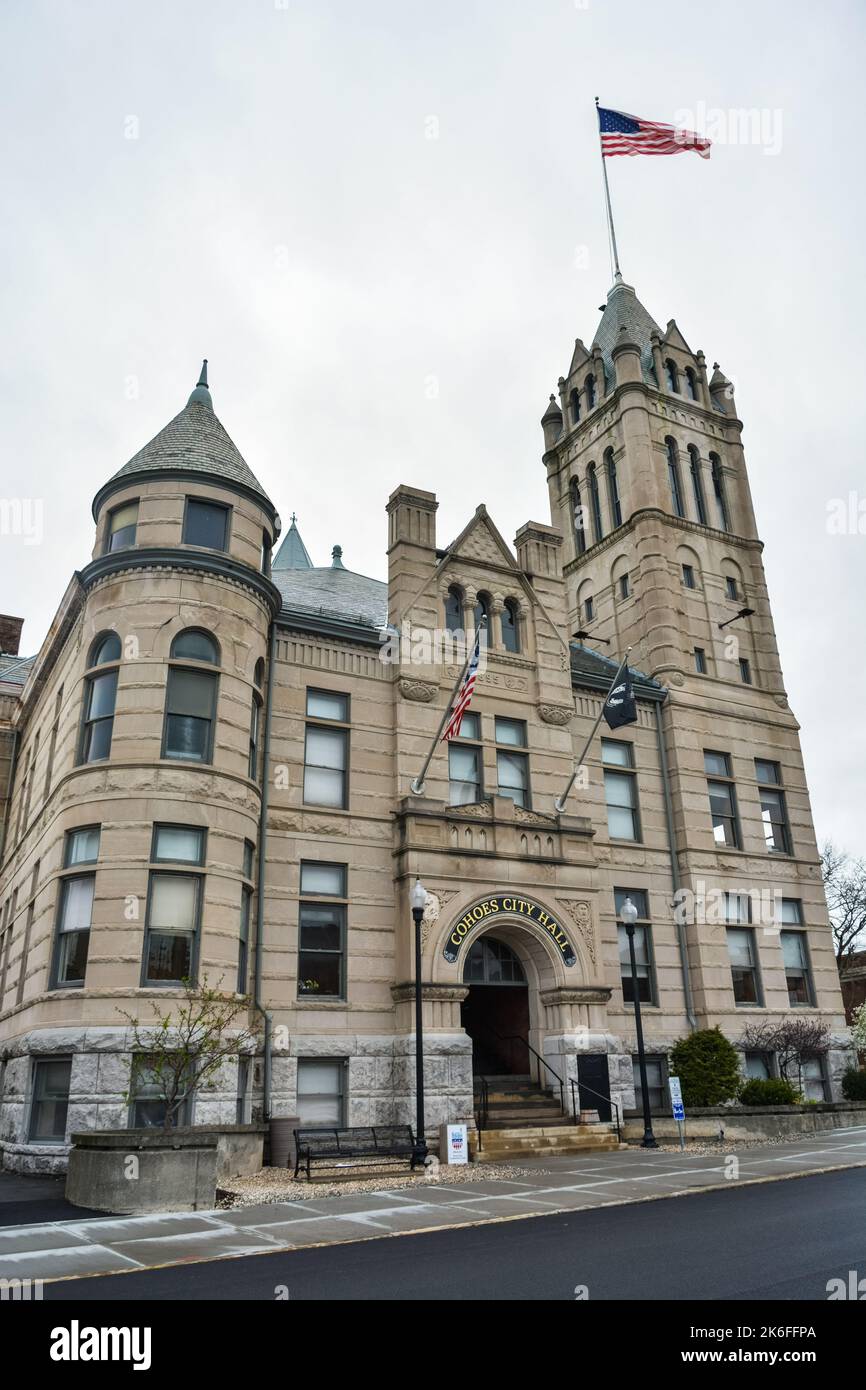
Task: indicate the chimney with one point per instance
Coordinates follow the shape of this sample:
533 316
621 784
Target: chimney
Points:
10 634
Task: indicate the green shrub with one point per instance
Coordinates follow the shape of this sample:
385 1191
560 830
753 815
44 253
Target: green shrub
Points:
708 1067
854 1084
771 1090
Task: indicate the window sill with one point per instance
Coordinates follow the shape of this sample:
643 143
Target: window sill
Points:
328 1002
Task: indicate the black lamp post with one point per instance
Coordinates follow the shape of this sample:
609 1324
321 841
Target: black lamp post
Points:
418 899
628 917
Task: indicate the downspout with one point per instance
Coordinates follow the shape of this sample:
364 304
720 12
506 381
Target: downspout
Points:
260 881
675 873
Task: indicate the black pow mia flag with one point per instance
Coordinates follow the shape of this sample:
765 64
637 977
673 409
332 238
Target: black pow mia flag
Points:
620 707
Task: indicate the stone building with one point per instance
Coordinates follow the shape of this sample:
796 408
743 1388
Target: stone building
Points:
208 769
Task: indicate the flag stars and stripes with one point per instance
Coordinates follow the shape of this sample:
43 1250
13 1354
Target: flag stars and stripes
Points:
632 135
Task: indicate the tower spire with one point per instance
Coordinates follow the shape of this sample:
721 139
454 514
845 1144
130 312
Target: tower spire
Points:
201 395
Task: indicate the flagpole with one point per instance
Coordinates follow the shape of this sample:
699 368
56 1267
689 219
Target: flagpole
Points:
607 200
559 804
418 782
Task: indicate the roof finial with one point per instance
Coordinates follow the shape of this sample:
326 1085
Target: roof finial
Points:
201 394
337 558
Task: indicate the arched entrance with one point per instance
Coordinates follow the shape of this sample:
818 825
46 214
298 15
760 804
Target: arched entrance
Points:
495 1012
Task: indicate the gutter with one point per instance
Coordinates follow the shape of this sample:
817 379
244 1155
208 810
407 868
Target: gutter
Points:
260 881
675 873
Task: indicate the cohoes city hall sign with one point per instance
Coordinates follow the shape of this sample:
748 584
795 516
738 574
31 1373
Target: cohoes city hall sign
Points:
488 909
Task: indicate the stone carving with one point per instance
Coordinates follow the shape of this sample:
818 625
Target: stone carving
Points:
480 545
581 914
479 810
421 691
555 714
676 678
436 902
533 817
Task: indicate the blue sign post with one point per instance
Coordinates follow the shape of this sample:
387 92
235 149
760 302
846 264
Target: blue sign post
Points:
677 1107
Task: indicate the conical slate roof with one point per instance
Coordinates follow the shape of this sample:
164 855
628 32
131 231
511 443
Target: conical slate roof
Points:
624 308
292 554
194 442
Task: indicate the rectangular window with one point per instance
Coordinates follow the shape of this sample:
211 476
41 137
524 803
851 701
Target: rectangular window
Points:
744 967
512 768
322 931
178 844
814 1082
255 717
642 948
731 589
148 1091
190 705
655 1080
758 1066
700 661
588 609
791 912
244 938
249 855
122 524
464 774
774 814
206 524
745 671
326 753
723 799
172 922
620 790
738 909
689 577
81 847
100 693
72 938
624 588
797 973
51 1078
320 1092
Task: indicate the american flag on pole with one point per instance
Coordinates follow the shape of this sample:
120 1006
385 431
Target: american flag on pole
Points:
622 134
464 695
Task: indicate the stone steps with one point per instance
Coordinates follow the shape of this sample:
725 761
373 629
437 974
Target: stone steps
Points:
543 1140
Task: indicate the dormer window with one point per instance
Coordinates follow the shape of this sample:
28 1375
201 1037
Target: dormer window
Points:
206 524
672 376
122 525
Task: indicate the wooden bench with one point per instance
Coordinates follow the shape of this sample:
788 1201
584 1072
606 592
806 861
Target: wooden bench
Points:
338 1147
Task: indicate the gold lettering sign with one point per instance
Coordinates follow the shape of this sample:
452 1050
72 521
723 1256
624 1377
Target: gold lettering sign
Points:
510 906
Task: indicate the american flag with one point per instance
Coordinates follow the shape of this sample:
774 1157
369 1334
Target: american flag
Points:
622 134
464 695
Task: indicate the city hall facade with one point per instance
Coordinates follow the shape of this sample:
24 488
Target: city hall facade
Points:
208 768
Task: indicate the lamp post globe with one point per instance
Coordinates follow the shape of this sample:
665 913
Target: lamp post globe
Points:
628 915
418 902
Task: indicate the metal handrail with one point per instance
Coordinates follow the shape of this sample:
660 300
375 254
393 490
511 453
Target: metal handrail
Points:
518 1037
608 1100
482 1106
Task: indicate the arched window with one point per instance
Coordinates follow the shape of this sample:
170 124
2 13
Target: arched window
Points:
259 673
594 503
697 485
719 491
589 384
672 376
579 520
574 399
454 609
674 478
491 962
691 385
195 645
613 488
190 698
482 610
100 695
510 631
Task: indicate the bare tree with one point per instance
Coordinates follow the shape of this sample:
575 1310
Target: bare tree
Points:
793 1040
845 890
181 1052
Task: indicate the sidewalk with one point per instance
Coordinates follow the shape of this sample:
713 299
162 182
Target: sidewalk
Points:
70 1249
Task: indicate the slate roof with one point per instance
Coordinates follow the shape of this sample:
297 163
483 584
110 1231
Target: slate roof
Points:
333 593
14 670
624 307
594 668
292 554
193 442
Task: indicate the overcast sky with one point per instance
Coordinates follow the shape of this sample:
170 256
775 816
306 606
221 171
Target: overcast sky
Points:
383 224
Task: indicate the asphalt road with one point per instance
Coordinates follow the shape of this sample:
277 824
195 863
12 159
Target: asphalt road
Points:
778 1240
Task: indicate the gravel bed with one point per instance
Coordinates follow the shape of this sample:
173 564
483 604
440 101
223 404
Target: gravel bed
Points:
720 1147
277 1185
